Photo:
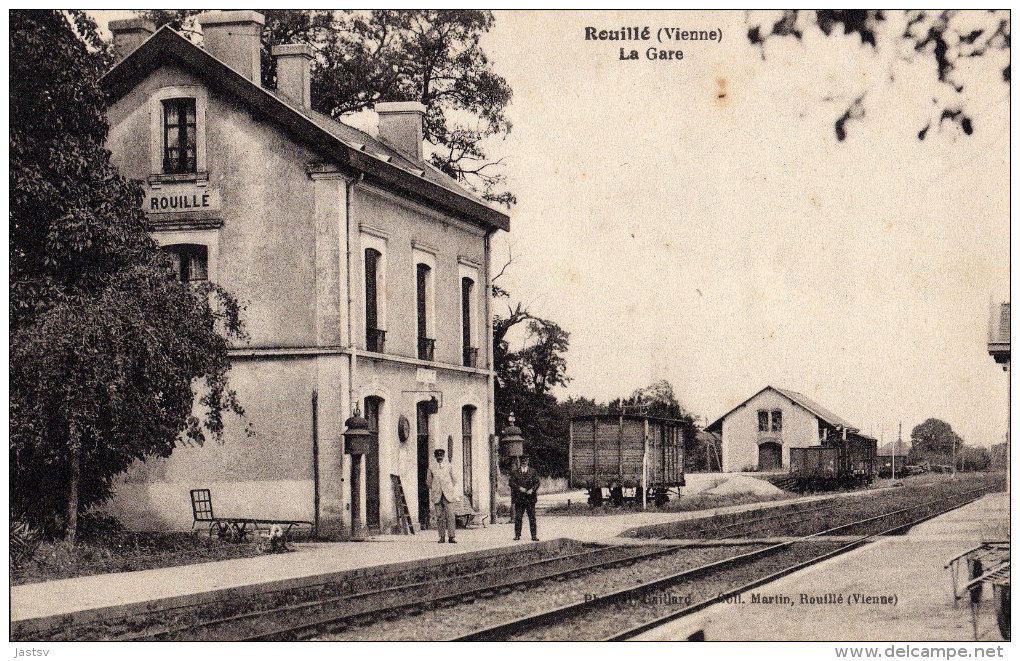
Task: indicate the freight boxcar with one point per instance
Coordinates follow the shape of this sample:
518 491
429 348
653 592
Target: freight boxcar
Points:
885 465
626 456
835 463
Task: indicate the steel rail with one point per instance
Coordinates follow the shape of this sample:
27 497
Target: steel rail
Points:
459 595
505 630
652 624
170 633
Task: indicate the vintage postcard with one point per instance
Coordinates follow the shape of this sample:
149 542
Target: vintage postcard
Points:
421 325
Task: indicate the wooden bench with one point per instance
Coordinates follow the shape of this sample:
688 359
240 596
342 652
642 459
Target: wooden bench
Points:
234 528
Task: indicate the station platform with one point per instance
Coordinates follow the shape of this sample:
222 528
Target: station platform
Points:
38 606
910 568
42 606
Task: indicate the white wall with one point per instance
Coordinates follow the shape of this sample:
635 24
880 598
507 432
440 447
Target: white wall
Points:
740 430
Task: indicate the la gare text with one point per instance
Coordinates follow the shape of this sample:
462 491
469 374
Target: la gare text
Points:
653 53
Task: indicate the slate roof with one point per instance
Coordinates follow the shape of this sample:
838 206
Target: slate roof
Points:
351 149
803 401
816 408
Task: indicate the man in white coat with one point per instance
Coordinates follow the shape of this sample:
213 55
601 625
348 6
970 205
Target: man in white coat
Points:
444 495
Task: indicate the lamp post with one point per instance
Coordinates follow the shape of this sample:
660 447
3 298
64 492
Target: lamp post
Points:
511 444
356 437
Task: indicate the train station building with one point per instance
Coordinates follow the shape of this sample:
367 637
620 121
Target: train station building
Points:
363 272
758 433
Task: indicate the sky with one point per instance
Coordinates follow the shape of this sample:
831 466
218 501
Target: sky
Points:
697 220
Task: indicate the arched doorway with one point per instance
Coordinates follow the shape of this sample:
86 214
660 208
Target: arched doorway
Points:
770 456
424 409
372 405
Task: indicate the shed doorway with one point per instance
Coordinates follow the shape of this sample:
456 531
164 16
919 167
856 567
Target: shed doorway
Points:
770 457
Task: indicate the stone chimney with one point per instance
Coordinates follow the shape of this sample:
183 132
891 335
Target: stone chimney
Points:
294 73
235 38
400 126
129 35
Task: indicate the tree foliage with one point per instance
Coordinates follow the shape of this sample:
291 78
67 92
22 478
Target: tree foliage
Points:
934 440
953 43
526 372
105 343
431 56
998 456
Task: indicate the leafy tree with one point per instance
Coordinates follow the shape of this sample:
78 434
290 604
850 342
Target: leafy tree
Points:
998 456
974 458
105 343
955 44
525 375
431 56
934 440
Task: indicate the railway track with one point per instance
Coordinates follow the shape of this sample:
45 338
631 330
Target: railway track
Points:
307 619
764 524
784 519
471 596
612 616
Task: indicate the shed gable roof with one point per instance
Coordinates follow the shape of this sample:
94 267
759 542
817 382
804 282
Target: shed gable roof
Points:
352 150
804 402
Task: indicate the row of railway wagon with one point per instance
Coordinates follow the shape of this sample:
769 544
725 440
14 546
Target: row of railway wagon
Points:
632 458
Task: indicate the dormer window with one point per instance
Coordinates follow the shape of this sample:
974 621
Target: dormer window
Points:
180 141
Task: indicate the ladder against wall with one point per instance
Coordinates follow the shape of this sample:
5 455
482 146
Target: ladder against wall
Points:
400 502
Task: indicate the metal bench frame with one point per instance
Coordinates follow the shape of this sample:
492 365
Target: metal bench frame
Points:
234 528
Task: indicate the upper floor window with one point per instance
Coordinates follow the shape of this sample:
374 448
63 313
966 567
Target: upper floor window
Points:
426 340
190 261
180 141
770 421
375 336
467 289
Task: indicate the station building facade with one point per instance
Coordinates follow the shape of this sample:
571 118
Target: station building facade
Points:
758 433
363 272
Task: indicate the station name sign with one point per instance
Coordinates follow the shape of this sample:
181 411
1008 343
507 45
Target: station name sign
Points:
177 199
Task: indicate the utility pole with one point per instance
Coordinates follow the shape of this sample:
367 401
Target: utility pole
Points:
953 475
899 438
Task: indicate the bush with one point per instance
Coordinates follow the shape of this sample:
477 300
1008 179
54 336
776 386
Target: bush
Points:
24 543
98 526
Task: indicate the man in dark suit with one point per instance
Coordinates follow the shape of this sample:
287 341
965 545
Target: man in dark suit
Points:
524 495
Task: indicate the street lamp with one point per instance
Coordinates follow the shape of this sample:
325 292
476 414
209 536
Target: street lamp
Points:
511 443
356 437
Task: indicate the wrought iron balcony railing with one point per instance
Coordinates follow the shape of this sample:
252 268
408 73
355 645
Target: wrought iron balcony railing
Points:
375 340
426 348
